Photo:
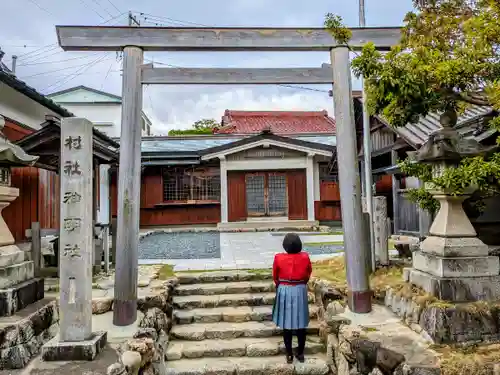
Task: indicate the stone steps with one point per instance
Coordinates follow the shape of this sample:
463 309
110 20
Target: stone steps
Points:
222 325
225 288
223 276
240 347
225 300
273 365
230 314
226 331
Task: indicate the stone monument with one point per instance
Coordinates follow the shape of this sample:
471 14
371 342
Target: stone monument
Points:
18 286
75 341
452 263
380 229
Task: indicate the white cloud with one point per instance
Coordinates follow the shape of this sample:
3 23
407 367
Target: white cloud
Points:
214 105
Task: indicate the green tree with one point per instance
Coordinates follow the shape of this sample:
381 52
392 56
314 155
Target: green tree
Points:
447 59
204 126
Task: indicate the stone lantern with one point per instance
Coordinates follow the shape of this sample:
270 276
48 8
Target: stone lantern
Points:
18 287
10 156
452 263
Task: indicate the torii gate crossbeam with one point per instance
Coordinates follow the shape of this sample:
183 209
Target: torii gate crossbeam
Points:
135 40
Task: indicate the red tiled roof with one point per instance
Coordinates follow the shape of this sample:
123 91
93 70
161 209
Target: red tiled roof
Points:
279 122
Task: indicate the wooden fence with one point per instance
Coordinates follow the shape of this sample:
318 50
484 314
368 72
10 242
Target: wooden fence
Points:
412 220
102 251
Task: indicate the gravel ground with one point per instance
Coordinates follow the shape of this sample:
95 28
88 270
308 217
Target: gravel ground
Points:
323 249
180 246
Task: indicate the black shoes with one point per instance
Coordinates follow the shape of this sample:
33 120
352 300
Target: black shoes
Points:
300 358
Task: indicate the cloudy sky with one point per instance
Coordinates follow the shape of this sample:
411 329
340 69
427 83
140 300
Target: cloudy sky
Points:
27 30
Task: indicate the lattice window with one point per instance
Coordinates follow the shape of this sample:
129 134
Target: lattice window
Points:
326 174
191 184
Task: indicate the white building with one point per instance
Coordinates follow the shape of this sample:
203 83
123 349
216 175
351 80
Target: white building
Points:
102 108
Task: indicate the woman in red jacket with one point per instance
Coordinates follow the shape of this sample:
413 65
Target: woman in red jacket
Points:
291 273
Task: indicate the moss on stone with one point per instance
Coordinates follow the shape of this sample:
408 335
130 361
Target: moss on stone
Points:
472 360
166 272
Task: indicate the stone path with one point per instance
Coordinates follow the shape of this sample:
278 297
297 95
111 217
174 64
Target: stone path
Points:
244 251
223 326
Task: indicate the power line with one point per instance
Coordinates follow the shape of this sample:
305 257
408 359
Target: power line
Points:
76 74
303 88
111 19
31 62
168 19
102 7
42 8
58 70
95 11
36 50
60 61
109 1
38 54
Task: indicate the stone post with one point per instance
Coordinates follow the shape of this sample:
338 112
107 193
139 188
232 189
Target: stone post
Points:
380 230
76 341
104 211
452 263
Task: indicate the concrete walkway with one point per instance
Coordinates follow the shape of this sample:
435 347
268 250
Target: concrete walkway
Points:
245 251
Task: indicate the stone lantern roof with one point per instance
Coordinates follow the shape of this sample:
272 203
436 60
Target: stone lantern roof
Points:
12 155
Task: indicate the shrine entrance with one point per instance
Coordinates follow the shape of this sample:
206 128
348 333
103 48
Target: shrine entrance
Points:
266 194
134 41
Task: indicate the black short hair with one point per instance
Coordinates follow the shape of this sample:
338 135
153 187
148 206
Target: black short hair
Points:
292 243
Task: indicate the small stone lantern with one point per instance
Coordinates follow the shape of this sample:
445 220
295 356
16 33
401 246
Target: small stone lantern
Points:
452 263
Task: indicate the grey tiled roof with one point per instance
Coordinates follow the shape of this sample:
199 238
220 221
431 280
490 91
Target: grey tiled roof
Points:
419 132
194 144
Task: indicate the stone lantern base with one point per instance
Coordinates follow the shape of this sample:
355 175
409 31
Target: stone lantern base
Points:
452 263
18 285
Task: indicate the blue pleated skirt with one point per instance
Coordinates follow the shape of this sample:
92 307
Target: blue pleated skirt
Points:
291 307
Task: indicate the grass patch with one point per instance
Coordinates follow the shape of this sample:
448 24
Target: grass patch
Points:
334 270
341 242
324 243
473 360
256 271
332 233
166 272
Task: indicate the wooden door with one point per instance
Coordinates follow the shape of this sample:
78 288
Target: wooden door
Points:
266 194
297 195
236 196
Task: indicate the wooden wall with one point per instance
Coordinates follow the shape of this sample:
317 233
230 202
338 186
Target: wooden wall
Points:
328 207
38 192
154 212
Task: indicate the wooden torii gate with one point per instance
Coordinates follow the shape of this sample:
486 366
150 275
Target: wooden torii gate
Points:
133 41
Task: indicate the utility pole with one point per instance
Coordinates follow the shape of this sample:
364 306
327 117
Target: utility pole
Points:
14 64
132 20
367 149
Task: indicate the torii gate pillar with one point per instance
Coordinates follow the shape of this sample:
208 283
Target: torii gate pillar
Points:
129 183
356 250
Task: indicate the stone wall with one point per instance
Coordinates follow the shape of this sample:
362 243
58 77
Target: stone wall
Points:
146 352
353 349
447 323
22 340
